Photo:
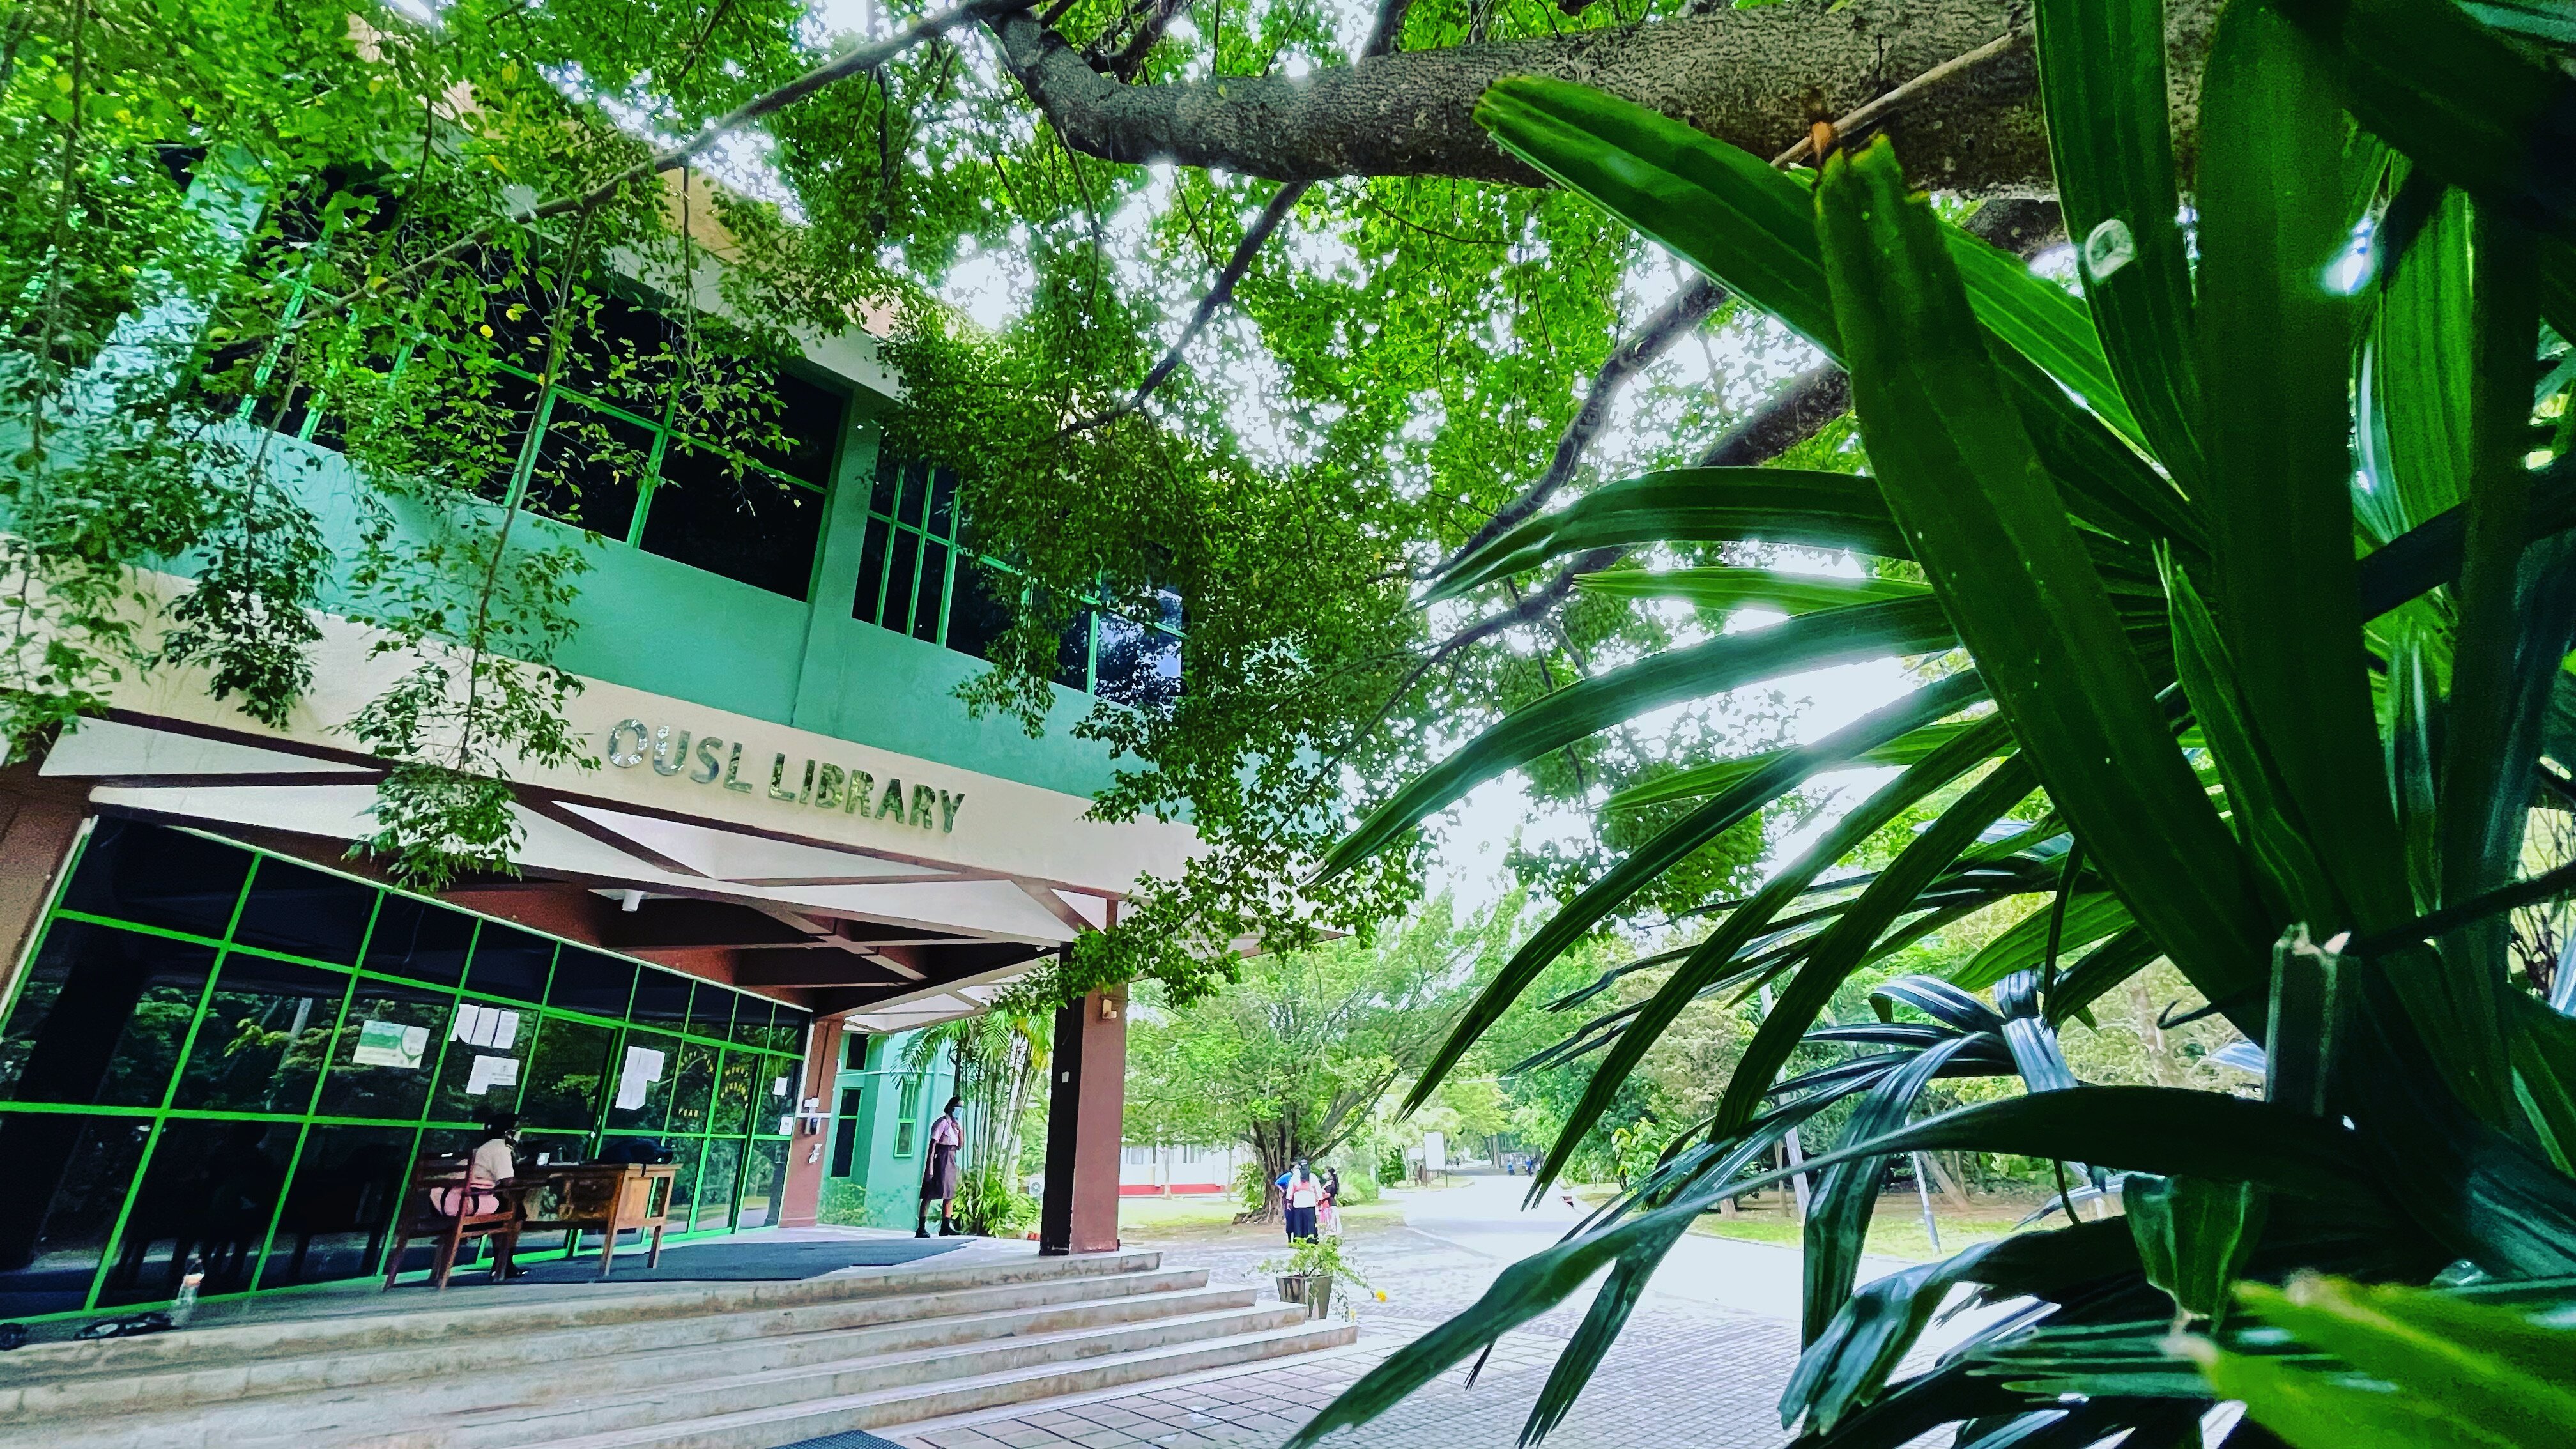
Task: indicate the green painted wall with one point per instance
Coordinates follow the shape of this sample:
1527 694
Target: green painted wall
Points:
883 1189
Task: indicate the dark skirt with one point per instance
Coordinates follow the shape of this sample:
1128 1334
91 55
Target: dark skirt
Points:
1301 1225
939 1175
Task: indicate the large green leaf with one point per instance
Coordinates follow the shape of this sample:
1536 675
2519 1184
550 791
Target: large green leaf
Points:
1738 219
2419 371
1960 477
2092 916
2043 322
1693 505
2155 1129
1673 844
1709 779
2194 1237
1809 641
2102 79
1839 1211
1840 947
2276 381
1715 956
2479 111
1720 588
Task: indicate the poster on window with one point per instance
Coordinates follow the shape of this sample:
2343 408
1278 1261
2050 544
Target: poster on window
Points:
642 1069
390 1044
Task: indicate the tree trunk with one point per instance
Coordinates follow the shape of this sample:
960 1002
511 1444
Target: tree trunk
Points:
1755 77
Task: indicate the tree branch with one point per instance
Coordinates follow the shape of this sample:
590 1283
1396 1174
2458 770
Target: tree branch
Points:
1669 323
1382 38
1749 77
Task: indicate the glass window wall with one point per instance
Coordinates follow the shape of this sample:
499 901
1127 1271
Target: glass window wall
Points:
227 1058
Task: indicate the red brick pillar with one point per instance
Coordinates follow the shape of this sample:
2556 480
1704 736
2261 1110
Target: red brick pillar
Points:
803 1197
1086 1110
38 826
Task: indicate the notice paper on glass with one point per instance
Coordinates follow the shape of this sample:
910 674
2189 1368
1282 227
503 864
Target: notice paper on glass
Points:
487 1026
643 1068
491 1072
389 1044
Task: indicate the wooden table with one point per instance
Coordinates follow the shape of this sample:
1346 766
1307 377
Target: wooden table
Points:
603 1197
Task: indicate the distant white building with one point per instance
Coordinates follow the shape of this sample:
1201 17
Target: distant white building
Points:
1147 1169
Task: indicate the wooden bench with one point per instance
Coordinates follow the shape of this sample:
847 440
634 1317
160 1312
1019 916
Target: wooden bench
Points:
606 1198
420 1218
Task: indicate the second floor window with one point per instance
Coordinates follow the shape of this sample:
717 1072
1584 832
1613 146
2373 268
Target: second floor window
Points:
916 577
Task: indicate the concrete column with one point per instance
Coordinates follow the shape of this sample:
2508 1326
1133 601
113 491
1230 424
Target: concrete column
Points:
1086 1108
803 1197
40 820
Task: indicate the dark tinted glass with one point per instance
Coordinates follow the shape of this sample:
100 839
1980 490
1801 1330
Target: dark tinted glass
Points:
694 1088
916 493
928 595
976 615
889 478
592 981
811 419
787 1030
565 1075
1073 652
661 998
622 355
751 1019
903 562
67 1181
340 1206
207 1194
158 877
510 962
492 429
486 1063
845 1132
717 1178
713 514
764 1176
102 1016
734 1087
711 1012
942 522
267 1032
304 912
590 469
1139 667
685 1154
647 1065
416 939
386 1053
866 606
774 1097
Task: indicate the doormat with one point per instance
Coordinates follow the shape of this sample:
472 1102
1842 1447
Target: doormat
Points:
851 1439
735 1261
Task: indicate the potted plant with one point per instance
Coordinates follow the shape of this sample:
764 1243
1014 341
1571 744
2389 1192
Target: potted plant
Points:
1306 1273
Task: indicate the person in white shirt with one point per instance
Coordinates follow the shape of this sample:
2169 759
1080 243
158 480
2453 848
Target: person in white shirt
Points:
1303 1192
490 1163
939 1174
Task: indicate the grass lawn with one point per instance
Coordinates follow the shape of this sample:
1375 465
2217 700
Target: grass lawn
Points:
1895 1230
1212 1216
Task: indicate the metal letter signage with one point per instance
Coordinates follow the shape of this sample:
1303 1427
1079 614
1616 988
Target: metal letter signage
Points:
820 785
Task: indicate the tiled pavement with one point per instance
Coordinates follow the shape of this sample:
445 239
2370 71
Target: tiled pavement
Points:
1682 1376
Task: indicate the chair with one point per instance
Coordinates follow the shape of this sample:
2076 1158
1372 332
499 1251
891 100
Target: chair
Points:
420 1219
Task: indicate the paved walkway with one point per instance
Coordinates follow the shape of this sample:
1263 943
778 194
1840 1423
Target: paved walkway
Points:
1700 1366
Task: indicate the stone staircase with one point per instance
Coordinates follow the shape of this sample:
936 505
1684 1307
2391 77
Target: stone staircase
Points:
677 1366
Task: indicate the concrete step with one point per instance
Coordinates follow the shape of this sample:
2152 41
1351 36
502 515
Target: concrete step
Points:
512 1425
411 1317
508 1368
883 1409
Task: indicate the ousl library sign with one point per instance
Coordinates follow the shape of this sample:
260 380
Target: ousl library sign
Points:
813 783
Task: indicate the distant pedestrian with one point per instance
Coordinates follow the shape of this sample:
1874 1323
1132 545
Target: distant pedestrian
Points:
1303 1192
1328 1214
939 1174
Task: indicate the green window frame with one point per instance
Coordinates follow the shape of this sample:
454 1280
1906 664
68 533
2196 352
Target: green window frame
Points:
761 1047
907 1115
918 577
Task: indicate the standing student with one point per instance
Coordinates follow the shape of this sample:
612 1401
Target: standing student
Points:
939 1174
1303 1192
1328 1217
